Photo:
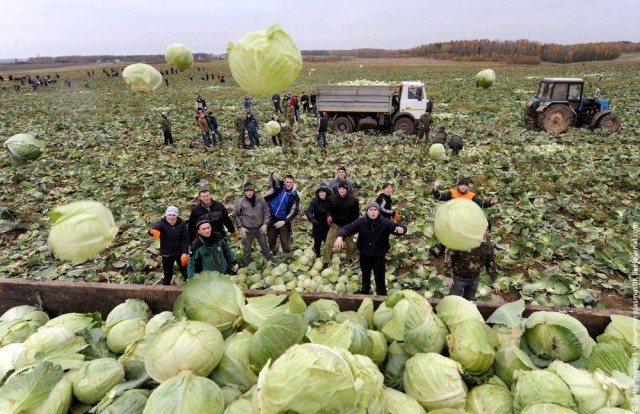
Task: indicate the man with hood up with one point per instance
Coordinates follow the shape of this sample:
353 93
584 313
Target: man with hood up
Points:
174 243
317 215
373 244
284 206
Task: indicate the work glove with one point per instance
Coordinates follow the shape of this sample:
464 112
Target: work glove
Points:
155 233
329 220
234 235
278 224
449 282
436 184
396 216
496 288
243 232
235 268
184 259
263 229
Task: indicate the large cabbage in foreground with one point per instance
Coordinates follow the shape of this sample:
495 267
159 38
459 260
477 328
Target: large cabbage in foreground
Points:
460 224
265 62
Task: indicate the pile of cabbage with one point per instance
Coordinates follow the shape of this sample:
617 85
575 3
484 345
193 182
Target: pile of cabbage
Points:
222 352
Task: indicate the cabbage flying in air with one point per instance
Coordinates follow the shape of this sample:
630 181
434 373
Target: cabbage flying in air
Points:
460 224
485 78
183 346
434 381
272 128
95 378
81 230
24 147
142 77
179 56
437 152
265 62
185 393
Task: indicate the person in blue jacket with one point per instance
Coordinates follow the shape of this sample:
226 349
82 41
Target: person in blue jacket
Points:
251 125
373 244
284 206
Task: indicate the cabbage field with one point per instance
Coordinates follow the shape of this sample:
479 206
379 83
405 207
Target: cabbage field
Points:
564 226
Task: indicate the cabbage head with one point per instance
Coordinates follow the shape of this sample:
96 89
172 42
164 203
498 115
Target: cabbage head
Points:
369 382
469 344
125 333
185 393
142 77
234 366
20 322
81 230
272 128
434 381
485 78
57 344
179 56
460 224
510 359
30 388
24 147
539 386
277 334
58 401
396 402
346 335
130 402
158 321
437 152
76 322
129 309
95 378
212 298
453 310
308 378
265 62
183 346
489 398
394 365
621 330
550 408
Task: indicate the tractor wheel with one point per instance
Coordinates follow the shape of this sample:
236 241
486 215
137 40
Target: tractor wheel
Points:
609 121
342 124
556 119
530 117
405 125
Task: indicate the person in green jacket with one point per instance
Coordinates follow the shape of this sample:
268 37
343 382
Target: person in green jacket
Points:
210 251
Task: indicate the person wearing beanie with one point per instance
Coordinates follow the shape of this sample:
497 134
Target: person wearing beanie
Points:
461 191
342 209
385 202
210 251
212 210
174 243
251 215
341 175
440 137
284 206
317 215
373 244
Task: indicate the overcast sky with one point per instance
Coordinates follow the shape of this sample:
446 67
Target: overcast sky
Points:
81 27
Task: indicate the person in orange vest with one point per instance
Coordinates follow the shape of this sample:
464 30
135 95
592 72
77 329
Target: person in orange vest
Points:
461 191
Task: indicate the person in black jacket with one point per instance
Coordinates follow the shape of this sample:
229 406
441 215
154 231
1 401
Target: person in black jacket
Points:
317 215
456 144
323 124
373 244
385 202
212 210
342 209
174 243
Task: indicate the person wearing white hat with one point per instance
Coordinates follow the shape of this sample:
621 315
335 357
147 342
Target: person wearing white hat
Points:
173 234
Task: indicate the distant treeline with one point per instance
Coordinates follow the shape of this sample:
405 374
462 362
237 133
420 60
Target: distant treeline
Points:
509 51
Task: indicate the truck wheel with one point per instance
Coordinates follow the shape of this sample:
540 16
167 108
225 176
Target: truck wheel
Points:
342 124
556 118
405 125
609 121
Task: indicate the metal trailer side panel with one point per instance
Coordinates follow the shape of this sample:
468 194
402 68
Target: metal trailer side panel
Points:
335 98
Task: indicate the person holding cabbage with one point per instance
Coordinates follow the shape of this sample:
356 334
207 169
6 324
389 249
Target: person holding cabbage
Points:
174 243
210 251
463 268
373 244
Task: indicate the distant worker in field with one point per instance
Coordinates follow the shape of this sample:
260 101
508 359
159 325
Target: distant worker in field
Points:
456 144
385 202
312 100
440 137
424 124
165 125
287 138
323 126
251 125
210 251
373 244
463 269
341 176
317 215
213 127
277 139
200 104
304 100
204 128
247 104
290 113
240 131
174 243
277 108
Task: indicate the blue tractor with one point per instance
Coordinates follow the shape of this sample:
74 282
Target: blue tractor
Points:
560 104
